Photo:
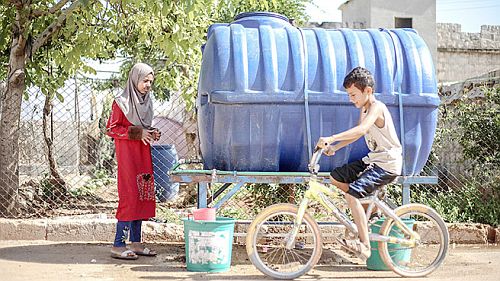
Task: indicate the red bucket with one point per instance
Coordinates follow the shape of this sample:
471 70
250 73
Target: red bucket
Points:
204 214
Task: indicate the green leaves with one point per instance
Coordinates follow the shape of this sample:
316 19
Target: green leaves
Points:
479 120
471 194
167 34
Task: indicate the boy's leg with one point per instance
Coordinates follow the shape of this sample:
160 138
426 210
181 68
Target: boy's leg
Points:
341 178
341 185
358 213
345 187
371 179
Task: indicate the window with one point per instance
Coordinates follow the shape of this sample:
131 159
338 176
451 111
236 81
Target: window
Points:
403 22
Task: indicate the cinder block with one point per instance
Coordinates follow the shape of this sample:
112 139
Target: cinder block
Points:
168 232
497 235
13 229
468 233
81 229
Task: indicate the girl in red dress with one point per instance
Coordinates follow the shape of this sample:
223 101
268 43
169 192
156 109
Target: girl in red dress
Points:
130 126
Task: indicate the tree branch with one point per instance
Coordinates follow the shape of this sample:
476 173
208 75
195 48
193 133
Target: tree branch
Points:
54 27
18 3
52 10
58 6
38 13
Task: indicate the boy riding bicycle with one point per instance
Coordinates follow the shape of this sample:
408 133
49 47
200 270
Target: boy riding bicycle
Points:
382 164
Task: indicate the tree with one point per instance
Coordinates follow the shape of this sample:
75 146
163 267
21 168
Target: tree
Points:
479 120
25 42
44 42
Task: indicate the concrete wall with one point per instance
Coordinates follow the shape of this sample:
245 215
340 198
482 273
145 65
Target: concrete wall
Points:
91 228
382 14
462 55
356 14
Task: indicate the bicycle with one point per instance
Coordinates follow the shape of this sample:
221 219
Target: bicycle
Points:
284 241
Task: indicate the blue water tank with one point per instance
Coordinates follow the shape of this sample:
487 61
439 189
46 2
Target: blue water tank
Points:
268 90
164 157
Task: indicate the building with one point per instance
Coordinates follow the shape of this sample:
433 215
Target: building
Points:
457 55
420 15
463 55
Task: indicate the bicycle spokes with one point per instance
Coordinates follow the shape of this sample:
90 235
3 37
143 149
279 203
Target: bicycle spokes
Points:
429 248
281 248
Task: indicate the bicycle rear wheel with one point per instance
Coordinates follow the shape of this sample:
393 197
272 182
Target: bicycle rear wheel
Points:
430 250
267 237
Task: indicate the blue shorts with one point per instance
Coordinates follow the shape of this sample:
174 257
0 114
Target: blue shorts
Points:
363 179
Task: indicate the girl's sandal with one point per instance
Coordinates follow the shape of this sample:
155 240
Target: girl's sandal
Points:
125 255
146 252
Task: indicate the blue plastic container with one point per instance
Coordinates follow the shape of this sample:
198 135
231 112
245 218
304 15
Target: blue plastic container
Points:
164 157
268 90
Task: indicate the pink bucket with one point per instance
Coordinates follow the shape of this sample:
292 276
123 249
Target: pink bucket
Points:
204 214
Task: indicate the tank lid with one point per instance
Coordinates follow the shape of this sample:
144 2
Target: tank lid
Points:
255 19
261 14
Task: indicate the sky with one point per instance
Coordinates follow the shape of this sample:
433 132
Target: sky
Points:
471 14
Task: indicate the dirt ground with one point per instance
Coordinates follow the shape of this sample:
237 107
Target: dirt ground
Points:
42 260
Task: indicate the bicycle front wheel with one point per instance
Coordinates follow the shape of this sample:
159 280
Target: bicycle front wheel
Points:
429 251
268 235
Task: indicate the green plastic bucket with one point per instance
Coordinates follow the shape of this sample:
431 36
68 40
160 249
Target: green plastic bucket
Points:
374 262
208 244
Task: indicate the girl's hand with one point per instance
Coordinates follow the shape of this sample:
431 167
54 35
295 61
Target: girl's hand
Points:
147 136
156 135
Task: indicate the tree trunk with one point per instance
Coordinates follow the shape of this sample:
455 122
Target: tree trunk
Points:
9 122
56 180
2 93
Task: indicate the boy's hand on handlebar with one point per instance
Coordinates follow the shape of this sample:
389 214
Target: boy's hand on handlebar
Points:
323 142
329 151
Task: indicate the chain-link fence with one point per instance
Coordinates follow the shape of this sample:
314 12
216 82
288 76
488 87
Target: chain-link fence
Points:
66 162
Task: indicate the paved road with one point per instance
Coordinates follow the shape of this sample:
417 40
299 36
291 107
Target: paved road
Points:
42 260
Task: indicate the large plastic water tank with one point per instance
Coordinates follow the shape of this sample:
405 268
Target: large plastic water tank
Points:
268 90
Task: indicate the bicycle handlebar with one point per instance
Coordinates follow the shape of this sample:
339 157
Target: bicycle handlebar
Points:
313 163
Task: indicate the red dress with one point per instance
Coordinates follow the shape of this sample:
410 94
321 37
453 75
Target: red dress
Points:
136 192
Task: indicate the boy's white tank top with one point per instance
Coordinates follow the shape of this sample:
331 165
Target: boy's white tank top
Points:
383 143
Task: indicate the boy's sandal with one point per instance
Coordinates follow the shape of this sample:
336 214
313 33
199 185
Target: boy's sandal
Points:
355 247
125 255
146 252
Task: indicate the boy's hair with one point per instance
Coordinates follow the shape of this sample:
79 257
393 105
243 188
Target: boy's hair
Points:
359 77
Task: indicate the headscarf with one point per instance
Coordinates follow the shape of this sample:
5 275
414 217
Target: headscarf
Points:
137 108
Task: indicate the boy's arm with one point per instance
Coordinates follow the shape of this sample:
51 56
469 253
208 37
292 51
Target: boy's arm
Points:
341 144
332 149
355 133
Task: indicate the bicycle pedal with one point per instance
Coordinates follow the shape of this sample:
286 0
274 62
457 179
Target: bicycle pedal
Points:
263 249
300 246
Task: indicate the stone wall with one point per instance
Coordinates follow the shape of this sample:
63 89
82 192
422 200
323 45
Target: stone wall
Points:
462 55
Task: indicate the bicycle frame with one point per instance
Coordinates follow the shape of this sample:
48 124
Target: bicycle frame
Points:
322 194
